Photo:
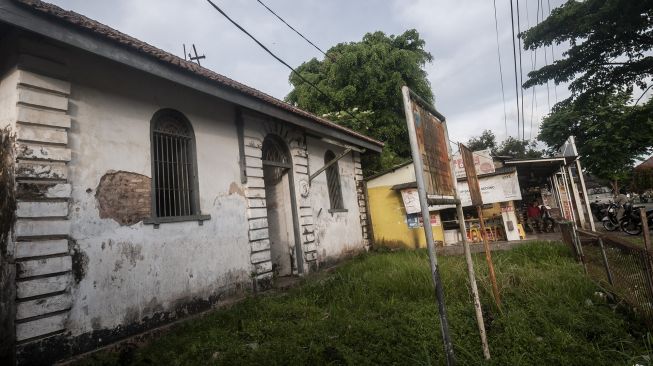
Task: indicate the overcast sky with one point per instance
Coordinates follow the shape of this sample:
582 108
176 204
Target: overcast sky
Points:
460 34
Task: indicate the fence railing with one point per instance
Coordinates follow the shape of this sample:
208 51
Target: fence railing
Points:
623 268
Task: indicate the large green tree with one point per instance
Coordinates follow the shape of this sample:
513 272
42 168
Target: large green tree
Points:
518 149
610 132
364 79
610 43
608 65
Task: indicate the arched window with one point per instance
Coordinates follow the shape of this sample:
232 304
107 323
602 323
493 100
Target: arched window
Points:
174 169
333 182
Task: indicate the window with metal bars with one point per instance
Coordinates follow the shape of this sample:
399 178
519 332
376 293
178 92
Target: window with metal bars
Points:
333 182
174 171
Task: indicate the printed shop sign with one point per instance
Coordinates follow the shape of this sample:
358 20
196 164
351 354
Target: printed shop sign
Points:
415 220
482 162
496 188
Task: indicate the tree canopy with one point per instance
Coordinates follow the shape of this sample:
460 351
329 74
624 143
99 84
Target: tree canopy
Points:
511 146
609 45
608 65
610 132
364 79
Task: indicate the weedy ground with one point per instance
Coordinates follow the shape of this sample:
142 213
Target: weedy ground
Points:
379 309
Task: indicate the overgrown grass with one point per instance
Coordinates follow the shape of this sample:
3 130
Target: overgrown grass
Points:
379 309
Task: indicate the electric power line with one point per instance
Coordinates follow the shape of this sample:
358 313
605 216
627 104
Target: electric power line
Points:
521 75
514 58
296 31
279 59
503 93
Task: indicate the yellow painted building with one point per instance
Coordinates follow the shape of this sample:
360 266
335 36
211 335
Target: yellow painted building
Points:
390 223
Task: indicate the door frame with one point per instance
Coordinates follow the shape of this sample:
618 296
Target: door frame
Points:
299 259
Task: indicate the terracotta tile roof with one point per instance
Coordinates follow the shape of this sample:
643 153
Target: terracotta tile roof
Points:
101 30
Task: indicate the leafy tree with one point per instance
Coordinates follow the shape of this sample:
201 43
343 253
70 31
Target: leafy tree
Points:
368 76
610 132
609 45
487 140
511 146
518 149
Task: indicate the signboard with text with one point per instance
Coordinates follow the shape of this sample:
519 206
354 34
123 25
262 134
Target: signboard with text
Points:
482 162
434 150
470 172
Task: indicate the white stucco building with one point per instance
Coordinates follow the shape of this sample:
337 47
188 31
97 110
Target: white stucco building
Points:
148 188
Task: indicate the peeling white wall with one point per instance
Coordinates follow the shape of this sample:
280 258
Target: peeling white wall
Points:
135 271
337 232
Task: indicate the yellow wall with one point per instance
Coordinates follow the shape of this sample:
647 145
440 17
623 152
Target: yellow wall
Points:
389 225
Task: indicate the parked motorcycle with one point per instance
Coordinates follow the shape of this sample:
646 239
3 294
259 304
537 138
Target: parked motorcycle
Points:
631 222
609 220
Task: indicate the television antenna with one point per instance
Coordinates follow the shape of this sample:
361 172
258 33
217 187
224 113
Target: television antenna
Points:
193 58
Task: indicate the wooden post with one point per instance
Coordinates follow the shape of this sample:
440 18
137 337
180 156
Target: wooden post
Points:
645 228
488 258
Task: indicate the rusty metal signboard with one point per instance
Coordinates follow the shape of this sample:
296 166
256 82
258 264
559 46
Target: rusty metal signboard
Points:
472 179
434 150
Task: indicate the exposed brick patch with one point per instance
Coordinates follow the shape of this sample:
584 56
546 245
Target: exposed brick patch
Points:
124 197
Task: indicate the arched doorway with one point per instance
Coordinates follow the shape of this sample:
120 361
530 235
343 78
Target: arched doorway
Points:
283 223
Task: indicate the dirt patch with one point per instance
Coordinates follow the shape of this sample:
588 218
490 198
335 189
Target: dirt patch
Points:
124 197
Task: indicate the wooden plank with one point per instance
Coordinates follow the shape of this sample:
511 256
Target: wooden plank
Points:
42 134
38 248
51 153
41 170
42 286
41 98
42 209
26 227
40 327
43 82
43 306
38 267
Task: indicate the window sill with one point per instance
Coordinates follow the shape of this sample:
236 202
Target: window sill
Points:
163 220
336 210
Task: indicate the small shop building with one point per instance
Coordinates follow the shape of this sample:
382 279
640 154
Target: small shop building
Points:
395 212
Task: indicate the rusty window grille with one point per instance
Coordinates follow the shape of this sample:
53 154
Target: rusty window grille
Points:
333 182
173 169
275 159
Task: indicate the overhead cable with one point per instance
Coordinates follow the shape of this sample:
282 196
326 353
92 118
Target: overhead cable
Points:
296 31
279 59
514 59
503 93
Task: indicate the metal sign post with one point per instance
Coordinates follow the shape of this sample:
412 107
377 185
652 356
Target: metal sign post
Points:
428 230
477 200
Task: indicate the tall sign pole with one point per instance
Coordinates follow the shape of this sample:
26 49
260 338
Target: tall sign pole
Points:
480 322
428 230
477 200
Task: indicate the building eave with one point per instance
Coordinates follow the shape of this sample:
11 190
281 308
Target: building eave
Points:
57 24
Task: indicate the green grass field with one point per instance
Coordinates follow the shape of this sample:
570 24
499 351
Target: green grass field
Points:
378 309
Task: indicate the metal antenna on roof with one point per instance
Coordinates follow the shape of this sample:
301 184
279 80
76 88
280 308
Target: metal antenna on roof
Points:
195 58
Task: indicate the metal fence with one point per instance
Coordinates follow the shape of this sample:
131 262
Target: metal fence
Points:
623 268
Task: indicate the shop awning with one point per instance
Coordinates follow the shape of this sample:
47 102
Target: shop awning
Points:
536 171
